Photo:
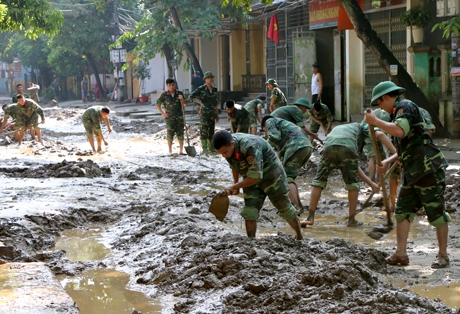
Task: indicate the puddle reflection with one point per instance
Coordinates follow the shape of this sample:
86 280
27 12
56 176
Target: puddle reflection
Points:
82 244
449 294
104 291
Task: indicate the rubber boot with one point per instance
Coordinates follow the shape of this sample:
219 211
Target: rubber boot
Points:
212 150
204 145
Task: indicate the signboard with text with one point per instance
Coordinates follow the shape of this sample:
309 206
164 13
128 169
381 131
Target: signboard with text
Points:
324 13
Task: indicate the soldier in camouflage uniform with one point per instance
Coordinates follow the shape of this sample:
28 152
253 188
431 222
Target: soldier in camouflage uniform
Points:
238 117
320 116
263 175
382 140
294 149
19 91
172 101
340 152
91 120
423 166
295 114
254 108
27 115
277 98
206 96
10 111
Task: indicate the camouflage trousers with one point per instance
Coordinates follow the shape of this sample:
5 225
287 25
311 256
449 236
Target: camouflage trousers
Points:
295 162
253 118
207 126
314 126
91 129
427 192
174 126
369 149
277 191
26 123
338 157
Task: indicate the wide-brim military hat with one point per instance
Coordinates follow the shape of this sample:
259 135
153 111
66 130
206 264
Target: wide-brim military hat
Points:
208 74
384 88
271 81
303 102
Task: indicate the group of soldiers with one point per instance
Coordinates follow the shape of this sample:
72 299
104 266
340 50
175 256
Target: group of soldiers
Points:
269 166
25 113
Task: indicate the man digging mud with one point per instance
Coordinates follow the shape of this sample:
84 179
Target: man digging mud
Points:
340 152
294 149
263 175
27 112
424 180
91 119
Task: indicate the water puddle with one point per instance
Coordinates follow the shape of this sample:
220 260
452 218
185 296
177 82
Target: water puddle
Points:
82 244
448 294
102 290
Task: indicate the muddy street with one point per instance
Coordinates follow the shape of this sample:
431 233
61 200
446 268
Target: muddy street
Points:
128 231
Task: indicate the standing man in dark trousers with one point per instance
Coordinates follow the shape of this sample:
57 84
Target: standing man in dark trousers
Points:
206 96
316 84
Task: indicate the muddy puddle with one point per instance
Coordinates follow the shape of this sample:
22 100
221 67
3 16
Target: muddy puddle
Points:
140 238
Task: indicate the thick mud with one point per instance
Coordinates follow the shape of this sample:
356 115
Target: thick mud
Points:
159 237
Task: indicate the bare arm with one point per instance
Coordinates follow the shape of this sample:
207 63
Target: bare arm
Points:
107 122
5 120
374 186
272 103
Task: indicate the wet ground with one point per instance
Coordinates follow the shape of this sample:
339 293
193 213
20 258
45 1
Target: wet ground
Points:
128 231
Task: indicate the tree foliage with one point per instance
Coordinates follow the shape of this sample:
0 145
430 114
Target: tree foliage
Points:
33 17
449 26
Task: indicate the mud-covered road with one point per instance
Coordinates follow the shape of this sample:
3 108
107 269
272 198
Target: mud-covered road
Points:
151 213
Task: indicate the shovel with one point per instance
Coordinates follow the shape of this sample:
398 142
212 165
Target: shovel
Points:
219 205
190 150
367 203
378 232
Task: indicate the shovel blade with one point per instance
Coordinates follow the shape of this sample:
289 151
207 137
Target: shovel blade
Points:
190 150
219 206
379 232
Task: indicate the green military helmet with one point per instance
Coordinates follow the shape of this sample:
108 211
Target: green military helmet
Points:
303 102
271 81
384 88
208 74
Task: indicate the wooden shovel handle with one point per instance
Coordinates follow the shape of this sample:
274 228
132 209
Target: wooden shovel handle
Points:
381 176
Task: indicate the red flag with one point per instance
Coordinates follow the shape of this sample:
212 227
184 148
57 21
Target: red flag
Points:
273 30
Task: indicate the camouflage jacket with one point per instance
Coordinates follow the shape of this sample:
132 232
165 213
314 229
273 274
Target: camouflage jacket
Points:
349 135
290 113
254 158
29 109
286 137
324 116
15 97
239 117
280 99
208 98
427 120
171 103
417 153
93 115
11 111
382 115
253 105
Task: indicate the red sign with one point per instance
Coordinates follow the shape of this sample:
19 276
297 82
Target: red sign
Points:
323 13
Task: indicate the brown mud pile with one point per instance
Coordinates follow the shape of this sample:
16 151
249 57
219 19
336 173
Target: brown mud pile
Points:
64 169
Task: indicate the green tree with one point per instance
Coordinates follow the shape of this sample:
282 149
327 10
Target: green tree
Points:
32 17
83 39
385 58
449 26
